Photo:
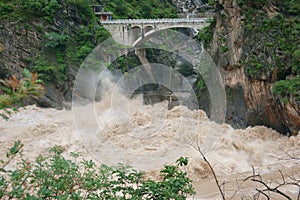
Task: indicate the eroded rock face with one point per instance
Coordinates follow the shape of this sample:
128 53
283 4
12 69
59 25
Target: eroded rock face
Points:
22 43
254 94
19 44
190 8
22 46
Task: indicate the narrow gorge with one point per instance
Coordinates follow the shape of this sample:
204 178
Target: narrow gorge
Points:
260 72
58 86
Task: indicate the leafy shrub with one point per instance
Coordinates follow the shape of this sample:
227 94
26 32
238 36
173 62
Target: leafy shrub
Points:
287 88
50 9
200 83
102 34
84 51
15 90
83 8
141 8
54 40
205 35
5 9
50 71
224 48
55 177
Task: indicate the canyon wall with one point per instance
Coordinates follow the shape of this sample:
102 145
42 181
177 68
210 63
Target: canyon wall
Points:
251 100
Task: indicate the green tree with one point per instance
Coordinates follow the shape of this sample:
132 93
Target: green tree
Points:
55 177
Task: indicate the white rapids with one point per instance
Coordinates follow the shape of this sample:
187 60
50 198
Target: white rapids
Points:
154 128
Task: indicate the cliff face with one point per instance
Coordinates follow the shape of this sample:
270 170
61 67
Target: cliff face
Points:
36 41
19 45
249 93
191 8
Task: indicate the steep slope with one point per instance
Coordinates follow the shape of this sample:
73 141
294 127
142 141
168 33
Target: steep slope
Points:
52 38
256 45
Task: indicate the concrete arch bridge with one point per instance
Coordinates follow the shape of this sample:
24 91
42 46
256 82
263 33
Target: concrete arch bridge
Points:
131 31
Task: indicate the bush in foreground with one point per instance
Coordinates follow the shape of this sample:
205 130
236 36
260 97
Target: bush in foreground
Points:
55 177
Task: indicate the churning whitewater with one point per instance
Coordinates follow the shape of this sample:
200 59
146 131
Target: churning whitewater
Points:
149 136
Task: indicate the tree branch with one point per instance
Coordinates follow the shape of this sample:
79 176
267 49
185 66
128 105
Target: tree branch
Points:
213 172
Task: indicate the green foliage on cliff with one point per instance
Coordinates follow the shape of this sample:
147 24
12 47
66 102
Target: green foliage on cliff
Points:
272 30
55 177
83 7
275 38
54 39
135 9
46 9
69 29
257 4
125 63
205 35
288 88
6 9
51 71
29 8
287 7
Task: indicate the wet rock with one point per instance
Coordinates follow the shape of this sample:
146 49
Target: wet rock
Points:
52 98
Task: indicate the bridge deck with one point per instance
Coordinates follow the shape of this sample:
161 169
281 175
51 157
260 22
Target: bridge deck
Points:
150 21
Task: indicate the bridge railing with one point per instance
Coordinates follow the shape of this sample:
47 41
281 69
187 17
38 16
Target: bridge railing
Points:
163 20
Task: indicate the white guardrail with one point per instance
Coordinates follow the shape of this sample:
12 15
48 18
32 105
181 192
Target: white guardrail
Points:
149 21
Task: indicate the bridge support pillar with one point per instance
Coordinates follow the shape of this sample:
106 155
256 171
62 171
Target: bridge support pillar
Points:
140 52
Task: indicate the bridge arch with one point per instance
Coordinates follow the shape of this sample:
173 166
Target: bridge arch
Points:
148 34
135 26
148 28
135 32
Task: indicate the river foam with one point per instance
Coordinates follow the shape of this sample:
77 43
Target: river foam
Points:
142 131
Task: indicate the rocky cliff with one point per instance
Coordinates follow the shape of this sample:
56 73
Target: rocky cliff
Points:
46 38
246 46
191 8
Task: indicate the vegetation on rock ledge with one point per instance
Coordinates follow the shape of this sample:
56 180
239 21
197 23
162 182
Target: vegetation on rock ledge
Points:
274 41
15 91
136 9
287 89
